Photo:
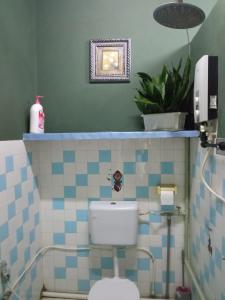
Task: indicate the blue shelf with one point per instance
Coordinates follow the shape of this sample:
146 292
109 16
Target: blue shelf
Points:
109 135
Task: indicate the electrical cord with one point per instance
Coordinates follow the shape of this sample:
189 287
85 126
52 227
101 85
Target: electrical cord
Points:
202 169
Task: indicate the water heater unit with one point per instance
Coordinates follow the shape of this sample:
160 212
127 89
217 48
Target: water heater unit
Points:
206 89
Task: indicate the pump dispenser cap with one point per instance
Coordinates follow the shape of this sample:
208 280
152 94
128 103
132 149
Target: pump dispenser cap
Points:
37 99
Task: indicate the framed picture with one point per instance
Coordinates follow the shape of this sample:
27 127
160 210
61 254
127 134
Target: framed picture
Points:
110 60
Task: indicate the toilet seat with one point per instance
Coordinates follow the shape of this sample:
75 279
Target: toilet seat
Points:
114 289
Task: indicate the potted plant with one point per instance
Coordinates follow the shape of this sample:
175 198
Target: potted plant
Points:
161 98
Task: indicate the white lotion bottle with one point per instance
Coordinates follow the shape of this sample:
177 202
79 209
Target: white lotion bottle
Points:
37 116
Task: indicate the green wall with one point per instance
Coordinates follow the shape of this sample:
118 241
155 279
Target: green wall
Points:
64 30
17 65
211 40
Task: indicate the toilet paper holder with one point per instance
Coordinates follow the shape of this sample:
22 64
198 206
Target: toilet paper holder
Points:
166 187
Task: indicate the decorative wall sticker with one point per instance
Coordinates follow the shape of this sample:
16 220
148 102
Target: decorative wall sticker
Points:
117 176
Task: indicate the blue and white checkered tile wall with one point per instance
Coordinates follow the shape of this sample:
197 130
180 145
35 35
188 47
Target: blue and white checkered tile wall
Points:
208 219
71 174
19 217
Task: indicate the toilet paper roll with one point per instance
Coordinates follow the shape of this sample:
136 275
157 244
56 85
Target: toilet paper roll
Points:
167 197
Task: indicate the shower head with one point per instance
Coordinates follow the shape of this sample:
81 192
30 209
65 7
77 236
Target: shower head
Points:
179 15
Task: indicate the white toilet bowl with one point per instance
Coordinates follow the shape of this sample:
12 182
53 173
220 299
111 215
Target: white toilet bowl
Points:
114 289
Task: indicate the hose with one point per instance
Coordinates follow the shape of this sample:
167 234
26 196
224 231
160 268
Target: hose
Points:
202 169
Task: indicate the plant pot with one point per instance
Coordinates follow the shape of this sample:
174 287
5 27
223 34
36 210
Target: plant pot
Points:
164 121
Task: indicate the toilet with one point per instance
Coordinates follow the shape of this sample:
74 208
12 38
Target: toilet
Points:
113 223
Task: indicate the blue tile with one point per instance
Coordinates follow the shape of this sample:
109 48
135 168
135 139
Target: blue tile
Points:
143 264
194 213
68 156
218 258
58 238
2 182
106 263
219 206
29 158
143 229
18 191
129 168
69 192
193 171
27 254
212 164
83 285
158 288
4 231
212 266
212 212
33 273
167 167
131 274
223 188
30 198
105 192
35 182
58 203
57 168
81 180
25 215
223 246
95 274
202 190
70 227
11 210
32 236
121 253
9 164
171 276
71 262
82 215
19 234
36 219
142 192
104 155
157 252
23 174
142 155
206 273
198 243
202 236
59 273
154 179
164 241
222 297
207 177
93 168
29 293
155 218
193 250
83 253
198 201
13 255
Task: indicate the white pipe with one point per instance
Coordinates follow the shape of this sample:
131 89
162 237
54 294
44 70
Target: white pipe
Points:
115 262
202 169
71 296
64 295
193 278
149 253
42 251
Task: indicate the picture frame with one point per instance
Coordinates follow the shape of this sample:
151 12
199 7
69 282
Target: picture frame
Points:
110 60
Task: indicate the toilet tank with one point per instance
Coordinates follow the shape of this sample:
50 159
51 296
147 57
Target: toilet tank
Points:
113 222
